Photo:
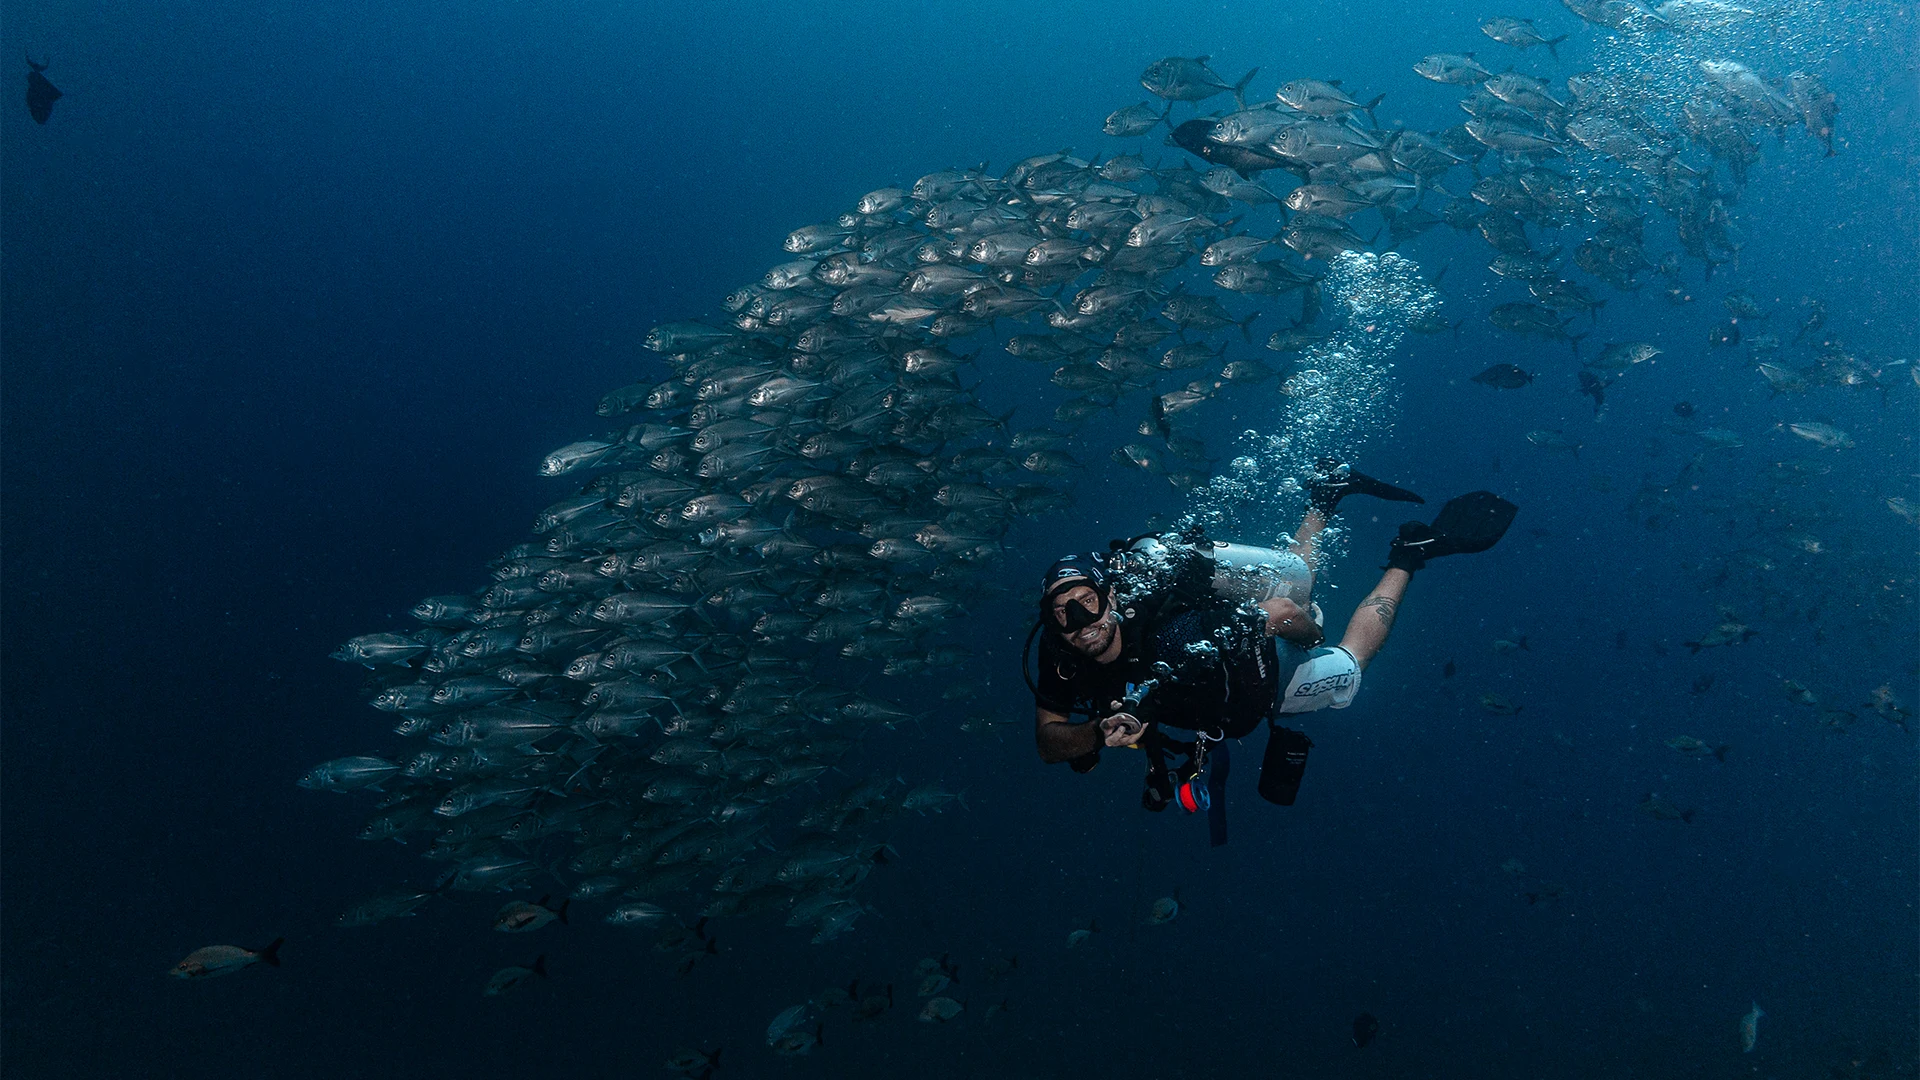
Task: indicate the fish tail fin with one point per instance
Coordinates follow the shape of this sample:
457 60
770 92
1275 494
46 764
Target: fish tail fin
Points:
1523 643
1720 752
1457 325
270 955
1239 89
540 965
1372 105
564 905
1687 816
1553 45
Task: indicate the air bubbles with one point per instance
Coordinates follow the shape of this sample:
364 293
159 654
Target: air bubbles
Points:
1341 397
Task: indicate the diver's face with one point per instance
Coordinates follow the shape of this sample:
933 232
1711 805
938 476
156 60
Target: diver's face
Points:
1094 638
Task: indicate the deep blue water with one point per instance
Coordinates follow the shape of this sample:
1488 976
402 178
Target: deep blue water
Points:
296 296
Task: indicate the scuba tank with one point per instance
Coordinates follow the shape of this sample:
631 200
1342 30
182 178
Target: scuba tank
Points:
1241 572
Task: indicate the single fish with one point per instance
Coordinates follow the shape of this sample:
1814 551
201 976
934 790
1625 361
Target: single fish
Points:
41 94
1520 34
225 960
694 1064
1179 78
1365 1029
1080 936
1660 809
1750 1028
1822 435
941 1010
796 1031
1687 744
1504 377
872 1007
520 917
1164 910
1499 706
1552 439
509 977
380 908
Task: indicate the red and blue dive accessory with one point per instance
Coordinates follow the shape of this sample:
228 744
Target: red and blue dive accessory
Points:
1192 795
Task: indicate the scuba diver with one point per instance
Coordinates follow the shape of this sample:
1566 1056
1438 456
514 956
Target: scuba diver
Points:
1215 638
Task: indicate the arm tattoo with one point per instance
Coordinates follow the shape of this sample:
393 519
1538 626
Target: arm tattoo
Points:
1385 606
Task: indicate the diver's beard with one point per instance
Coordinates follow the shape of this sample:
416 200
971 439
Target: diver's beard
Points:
1098 644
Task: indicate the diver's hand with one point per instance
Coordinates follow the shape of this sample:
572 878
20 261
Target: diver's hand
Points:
1122 729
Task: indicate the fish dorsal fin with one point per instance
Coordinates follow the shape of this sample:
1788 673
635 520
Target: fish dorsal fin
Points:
1202 59
1333 82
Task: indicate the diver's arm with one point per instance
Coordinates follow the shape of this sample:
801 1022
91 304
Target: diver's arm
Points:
1373 620
1060 739
1285 619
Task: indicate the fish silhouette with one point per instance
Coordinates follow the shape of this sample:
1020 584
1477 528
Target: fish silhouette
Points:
41 94
1365 1027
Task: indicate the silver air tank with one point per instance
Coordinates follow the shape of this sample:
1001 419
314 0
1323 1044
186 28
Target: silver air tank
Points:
1245 573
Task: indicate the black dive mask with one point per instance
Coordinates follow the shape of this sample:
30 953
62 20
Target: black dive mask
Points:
1078 615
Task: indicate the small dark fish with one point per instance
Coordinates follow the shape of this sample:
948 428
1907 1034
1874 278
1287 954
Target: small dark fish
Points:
1703 684
1724 335
1194 137
1504 377
41 94
1365 1027
1592 386
1683 409
1447 671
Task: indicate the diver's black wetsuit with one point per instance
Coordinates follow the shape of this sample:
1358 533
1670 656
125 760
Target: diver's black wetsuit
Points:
1224 671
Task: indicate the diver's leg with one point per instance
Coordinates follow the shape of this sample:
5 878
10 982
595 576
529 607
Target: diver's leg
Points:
1373 620
1306 540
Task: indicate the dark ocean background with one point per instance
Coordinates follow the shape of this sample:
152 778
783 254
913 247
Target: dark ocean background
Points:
296 296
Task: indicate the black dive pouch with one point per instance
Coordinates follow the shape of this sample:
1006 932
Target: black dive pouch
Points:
1284 765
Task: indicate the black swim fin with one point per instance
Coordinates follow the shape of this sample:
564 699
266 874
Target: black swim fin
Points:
1472 522
1336 481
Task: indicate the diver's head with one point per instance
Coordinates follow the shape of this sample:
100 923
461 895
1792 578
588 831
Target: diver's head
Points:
1076 604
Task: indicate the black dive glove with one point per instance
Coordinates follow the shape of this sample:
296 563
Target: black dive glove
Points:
1413 547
